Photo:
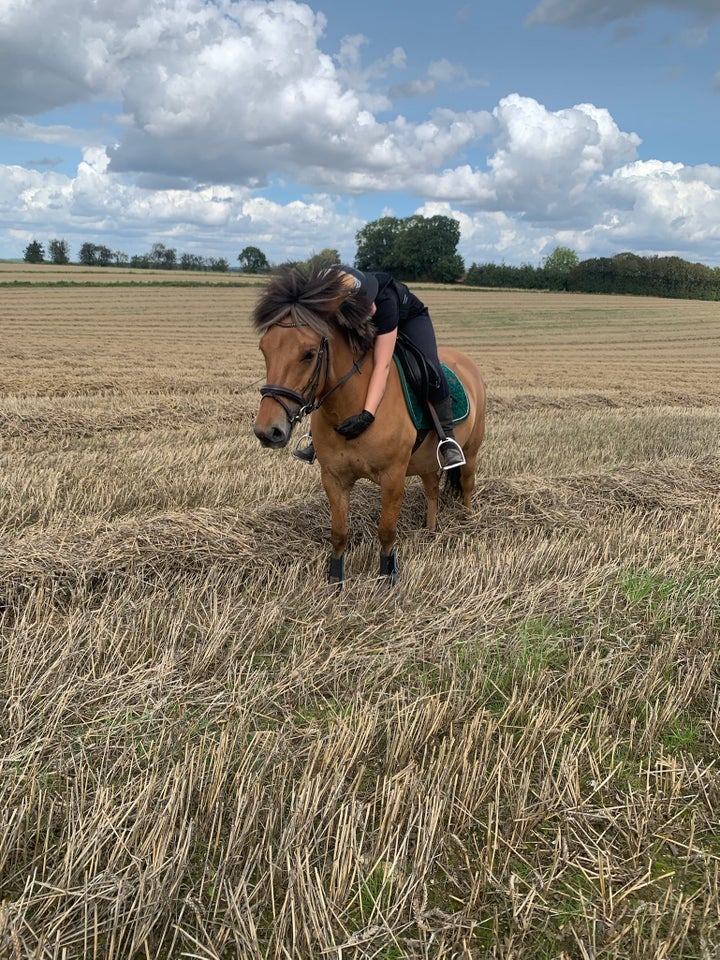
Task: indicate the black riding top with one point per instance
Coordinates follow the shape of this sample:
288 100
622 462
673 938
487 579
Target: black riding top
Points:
395 304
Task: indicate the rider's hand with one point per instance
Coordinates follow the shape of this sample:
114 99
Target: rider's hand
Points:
354 426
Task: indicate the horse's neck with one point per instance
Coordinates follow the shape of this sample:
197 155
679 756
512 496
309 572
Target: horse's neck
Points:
350 397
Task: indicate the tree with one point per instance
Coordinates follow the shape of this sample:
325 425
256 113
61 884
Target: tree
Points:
326 258
59 251
34 253
88 255
558 266
376 244
218 264
416 248
104 255
95 255
426 249
162 257
253 260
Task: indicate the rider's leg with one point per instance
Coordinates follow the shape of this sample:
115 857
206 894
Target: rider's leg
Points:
420 330
448 448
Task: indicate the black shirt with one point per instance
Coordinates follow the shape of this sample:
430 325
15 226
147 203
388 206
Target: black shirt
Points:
394 303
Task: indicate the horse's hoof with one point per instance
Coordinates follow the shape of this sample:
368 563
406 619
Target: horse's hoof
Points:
389 567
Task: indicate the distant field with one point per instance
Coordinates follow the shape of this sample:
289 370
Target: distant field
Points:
48 273
204 753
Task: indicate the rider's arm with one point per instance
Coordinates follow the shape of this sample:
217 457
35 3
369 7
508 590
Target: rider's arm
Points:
382 357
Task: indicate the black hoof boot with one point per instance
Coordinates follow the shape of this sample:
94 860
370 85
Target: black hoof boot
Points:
389 567
336 571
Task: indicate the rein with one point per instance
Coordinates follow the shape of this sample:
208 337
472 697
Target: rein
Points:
306 397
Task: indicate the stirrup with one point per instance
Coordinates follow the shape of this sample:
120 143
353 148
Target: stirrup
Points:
305 454
459 456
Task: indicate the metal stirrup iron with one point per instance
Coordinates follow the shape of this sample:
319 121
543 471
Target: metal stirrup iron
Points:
441 459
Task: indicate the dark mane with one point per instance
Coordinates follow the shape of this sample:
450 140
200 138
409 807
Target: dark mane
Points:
310 298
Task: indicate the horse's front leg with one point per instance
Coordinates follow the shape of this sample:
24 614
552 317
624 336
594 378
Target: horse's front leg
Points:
338 495
392 491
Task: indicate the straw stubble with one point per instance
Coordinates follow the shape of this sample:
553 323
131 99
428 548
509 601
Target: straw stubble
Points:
205 753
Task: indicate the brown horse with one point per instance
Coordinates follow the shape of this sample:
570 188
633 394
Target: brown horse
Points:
317 344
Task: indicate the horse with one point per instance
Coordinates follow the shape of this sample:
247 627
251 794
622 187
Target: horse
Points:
317 344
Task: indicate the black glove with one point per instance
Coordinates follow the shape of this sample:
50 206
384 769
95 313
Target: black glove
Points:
354 426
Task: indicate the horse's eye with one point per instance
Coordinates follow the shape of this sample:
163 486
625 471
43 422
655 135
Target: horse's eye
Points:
308 356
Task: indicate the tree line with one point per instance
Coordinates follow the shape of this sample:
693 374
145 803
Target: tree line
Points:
159 257
626 273
425 248
414 248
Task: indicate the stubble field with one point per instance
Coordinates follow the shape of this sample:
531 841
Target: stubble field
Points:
204 753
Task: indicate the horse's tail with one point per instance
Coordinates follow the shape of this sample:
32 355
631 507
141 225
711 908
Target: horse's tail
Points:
452 481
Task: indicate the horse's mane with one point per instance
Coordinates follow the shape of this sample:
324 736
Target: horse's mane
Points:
310 298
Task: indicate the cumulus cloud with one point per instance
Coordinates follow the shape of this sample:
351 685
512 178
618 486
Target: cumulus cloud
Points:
648 199
239 92
95 204
545 164
644 206
218 100
227 92
582 13
545 161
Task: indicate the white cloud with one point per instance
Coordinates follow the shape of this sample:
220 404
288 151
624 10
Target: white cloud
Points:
647 200
95 205
228 92
647 207
219 100
546 161
545 164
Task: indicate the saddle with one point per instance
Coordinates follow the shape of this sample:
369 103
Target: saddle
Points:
416 375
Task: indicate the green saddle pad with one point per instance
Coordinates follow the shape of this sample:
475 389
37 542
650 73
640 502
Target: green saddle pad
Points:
419 416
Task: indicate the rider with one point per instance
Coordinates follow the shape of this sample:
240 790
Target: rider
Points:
394 308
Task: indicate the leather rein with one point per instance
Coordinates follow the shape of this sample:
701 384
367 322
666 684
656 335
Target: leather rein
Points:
306 397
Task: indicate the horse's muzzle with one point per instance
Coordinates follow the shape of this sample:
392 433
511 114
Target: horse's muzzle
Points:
273 435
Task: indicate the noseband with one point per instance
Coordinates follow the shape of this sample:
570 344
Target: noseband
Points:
306 398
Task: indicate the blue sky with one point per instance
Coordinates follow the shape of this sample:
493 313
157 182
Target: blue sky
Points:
211 126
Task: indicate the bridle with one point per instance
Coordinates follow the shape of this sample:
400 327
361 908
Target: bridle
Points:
306 397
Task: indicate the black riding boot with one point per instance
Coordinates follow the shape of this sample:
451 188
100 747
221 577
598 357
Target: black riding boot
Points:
449 449
307 453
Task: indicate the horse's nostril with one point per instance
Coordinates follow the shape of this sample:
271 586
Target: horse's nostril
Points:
271 436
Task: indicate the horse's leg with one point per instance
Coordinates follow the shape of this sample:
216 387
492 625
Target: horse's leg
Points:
392 490
339 498
468 472
467 481
431 485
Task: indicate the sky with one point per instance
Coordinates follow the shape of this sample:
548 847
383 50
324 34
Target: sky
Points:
212 125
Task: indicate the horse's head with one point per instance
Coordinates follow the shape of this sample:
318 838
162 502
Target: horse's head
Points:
296 360
297 316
